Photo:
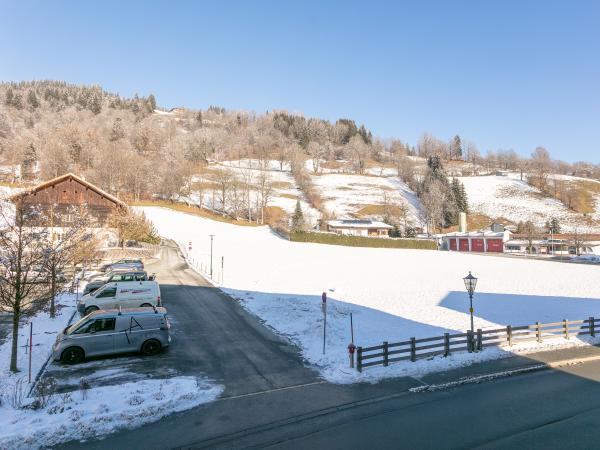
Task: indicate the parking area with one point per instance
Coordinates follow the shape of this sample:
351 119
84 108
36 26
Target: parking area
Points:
212 335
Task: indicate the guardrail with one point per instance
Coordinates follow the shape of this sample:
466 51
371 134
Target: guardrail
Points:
415 349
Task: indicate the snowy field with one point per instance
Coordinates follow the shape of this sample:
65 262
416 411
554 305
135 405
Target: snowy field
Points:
513 199
393 294
345 195
75 415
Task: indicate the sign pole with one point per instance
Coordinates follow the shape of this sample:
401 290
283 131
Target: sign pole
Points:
30 347
324 308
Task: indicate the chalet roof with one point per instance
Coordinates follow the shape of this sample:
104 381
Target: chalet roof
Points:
70 176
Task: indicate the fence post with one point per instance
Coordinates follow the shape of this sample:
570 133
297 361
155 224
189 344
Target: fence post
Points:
566 327
413 349
470 341
385 354
479 340
359 359
446 344
538 332
592 329
509 334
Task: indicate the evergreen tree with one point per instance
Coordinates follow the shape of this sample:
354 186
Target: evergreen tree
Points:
32 99
17 101
95 104
553 226
117 132
8 100
457 151
29 159
152 102
298 218
365 135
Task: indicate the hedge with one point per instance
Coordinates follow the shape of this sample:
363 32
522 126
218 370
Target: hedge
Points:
362 241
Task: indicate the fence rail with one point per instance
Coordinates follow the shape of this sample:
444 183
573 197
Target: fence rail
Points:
414 349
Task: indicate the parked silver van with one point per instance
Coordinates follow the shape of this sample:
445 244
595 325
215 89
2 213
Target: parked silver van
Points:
144 330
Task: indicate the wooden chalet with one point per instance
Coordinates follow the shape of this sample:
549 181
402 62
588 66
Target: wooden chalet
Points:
54 202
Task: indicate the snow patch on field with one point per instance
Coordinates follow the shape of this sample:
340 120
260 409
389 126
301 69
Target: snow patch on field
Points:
393 294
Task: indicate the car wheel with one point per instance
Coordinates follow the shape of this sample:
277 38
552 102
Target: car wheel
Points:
151 347
145 305
91 309
72 355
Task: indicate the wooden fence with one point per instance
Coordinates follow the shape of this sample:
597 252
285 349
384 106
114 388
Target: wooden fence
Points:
414 349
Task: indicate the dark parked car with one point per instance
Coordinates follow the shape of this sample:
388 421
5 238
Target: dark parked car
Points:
123 263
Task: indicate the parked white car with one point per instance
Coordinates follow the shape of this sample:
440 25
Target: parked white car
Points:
124 294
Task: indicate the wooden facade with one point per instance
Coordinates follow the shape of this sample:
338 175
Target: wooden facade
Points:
56 202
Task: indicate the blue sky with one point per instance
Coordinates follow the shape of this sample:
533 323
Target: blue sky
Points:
509 74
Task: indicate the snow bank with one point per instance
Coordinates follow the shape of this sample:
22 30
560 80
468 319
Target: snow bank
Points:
103 410
393 294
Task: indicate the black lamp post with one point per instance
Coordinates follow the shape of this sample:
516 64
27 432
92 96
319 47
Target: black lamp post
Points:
470 283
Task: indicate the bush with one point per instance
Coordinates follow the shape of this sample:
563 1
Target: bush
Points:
44 391
362 241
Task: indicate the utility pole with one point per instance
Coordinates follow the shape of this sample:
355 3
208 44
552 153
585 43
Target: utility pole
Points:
211 255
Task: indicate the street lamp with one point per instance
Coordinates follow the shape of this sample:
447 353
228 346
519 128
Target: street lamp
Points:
470 283
211 255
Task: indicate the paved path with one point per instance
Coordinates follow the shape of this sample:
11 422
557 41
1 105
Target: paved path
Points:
271 399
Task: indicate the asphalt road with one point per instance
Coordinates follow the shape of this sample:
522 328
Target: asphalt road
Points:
272 400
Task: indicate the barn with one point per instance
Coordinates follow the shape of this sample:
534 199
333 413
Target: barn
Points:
55 202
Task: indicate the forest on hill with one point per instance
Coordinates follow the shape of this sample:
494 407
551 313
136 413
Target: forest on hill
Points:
136 150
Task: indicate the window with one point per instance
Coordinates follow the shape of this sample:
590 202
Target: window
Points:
95 326
108 292
140 277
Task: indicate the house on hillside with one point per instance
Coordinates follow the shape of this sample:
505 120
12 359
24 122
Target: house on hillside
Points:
354 227
56 201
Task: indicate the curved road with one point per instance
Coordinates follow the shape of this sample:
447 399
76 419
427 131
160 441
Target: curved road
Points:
272 400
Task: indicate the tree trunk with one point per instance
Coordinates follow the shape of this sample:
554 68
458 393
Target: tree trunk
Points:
15 340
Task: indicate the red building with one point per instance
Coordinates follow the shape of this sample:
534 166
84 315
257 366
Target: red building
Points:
476 241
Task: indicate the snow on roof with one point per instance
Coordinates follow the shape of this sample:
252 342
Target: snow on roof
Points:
356 223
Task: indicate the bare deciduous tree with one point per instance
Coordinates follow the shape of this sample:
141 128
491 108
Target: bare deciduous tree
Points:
22 257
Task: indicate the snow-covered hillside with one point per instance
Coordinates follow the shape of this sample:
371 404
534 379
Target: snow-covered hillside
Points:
358 195
507 197
393 294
